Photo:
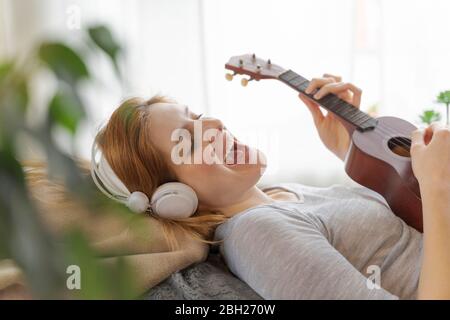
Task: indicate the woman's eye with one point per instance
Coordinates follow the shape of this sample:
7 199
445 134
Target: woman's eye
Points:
199 116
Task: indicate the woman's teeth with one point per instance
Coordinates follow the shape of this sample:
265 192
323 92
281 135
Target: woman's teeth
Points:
240 157
235 155
229 158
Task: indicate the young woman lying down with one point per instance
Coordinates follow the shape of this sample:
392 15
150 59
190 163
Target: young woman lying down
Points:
289 241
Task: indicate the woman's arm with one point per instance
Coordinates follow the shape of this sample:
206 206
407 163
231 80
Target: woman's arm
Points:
148 253
143 247
431 163
152 268
143 234
149 269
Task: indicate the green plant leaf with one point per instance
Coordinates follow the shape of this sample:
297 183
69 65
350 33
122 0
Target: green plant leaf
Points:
13 104
104 39
13 86
65 63
66 110
5 69
124 285
23 236
444 97
26 240
99 280
430 116
94 281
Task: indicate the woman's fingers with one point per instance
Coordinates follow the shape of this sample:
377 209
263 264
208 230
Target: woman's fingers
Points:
317 83
340 88
314 108
335 78
440 131
422 137
417 139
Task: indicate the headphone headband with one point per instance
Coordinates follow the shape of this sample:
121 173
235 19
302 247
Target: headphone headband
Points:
171 200
109 184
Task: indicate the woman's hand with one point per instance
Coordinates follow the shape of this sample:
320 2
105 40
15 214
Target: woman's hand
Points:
430 153
331 131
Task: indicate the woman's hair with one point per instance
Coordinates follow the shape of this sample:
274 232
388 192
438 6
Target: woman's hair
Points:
125 143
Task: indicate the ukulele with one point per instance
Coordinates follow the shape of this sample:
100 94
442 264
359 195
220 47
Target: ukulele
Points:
379 154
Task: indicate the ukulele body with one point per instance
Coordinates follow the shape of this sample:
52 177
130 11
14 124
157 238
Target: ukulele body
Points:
374 161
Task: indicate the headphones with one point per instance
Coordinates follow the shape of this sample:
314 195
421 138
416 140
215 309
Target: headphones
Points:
172 200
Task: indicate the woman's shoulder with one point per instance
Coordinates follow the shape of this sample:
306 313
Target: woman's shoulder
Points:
334 191
269 221
286 191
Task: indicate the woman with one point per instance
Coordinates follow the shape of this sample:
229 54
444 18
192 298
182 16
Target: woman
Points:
294 241
289 241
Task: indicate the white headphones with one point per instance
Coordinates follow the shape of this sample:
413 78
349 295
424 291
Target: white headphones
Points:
172 200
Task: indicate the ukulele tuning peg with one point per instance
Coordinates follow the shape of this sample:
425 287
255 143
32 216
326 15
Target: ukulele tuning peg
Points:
245 81
229 76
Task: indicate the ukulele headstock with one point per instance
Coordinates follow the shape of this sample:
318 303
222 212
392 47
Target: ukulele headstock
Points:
251 65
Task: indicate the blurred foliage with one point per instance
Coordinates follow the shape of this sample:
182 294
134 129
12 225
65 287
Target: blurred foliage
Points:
444 98
23 237
98 281
66 110
103 38
430 116
65 63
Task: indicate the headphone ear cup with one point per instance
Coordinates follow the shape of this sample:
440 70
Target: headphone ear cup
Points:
174 200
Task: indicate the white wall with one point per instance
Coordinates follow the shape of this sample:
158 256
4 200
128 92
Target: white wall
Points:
397 51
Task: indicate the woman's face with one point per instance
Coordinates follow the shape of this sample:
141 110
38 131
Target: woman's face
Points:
201 153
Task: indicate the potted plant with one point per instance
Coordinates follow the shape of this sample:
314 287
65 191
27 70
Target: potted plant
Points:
429 116
444 98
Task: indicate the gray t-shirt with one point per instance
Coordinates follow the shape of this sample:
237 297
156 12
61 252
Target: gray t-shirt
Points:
324 246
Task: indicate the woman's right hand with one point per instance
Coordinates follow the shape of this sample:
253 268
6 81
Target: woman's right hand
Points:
430 153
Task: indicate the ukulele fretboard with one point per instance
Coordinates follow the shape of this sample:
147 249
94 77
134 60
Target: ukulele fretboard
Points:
361 120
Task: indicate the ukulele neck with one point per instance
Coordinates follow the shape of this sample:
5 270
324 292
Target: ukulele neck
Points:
354 118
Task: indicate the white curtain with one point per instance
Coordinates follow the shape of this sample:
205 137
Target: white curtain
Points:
396 51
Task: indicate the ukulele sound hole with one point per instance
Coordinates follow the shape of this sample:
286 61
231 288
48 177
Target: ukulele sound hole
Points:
400 146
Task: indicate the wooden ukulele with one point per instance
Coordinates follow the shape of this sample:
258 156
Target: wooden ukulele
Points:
379 153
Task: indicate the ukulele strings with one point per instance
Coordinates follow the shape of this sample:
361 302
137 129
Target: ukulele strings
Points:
398 138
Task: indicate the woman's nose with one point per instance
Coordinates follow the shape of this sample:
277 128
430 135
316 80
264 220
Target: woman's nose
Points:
212 123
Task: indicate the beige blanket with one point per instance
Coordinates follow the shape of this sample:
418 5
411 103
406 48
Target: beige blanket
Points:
145 248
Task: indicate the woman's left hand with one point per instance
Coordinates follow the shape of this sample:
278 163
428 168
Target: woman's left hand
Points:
331 131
